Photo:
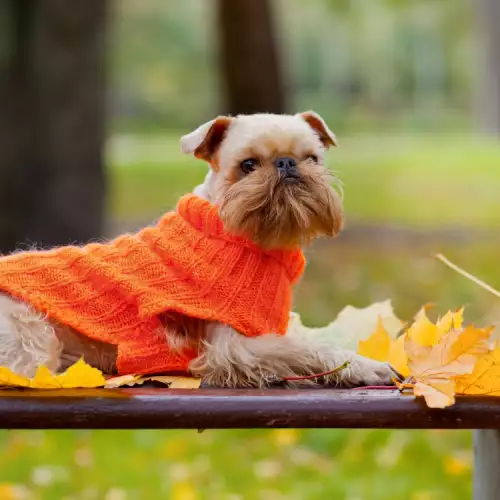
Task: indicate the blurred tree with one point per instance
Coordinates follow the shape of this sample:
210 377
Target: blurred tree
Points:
52 97
249 62
488 14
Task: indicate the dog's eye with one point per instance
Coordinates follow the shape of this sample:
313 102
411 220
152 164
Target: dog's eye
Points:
248 166
313 158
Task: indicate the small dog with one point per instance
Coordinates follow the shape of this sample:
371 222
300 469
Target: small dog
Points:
268 183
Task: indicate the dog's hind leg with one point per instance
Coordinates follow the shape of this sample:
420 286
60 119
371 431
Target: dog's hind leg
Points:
27 338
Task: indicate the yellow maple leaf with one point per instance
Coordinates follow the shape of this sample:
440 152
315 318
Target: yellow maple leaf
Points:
172 381
423 330
397 357
377 345
451 320
79 375
426 333
434 368
44 379
484 379
11 379
381 347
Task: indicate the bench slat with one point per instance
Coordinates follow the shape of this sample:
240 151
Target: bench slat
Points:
222 409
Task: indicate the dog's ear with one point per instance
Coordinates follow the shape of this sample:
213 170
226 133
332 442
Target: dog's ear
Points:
320 127
204 141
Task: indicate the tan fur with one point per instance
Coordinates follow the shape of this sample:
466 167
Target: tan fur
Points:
229 359
273 213
280 215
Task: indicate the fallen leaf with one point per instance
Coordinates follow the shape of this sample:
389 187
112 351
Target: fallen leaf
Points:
426 333
381 347
397 357
434 368
484 379
82 375
423 330
172 381
10 379
451 320
115 382
377 345
352 325
437 393
455 354
79 375
177 382
471 343
44 379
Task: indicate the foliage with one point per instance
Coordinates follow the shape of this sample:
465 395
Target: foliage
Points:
274 465
439 360
385 178
395 188
386 63
390 181
78 375
81 375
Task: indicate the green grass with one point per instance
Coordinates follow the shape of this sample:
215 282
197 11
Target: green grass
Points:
425 182
345 274
233 465
419 181
422 181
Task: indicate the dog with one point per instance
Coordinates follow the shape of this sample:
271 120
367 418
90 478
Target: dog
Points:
268 185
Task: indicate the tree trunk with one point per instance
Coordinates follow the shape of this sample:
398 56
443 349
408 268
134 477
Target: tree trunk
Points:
488 14
249 62
52 97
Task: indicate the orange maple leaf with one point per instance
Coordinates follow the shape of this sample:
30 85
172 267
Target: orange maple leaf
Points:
484 379
381 347
434 369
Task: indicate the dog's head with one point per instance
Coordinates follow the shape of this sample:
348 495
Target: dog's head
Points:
268 177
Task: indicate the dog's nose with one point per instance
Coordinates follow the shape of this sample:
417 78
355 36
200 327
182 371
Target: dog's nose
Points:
287 167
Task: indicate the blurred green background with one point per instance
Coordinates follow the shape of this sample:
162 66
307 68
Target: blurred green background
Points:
90 133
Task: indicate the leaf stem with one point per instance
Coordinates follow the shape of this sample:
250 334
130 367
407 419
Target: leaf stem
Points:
344 365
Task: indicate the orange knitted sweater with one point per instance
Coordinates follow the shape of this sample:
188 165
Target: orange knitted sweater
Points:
187 263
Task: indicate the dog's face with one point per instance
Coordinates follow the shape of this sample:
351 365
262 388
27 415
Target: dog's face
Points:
268 176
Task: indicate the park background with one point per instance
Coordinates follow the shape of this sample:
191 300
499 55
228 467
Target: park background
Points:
94 95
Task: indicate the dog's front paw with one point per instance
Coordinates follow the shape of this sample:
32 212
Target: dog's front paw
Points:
364 371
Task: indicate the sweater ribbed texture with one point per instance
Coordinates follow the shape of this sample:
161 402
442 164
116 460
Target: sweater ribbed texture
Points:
117 291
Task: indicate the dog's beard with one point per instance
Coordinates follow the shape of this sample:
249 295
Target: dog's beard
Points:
276 214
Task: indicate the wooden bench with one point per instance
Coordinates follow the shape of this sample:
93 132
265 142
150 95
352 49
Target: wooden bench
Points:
153 408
